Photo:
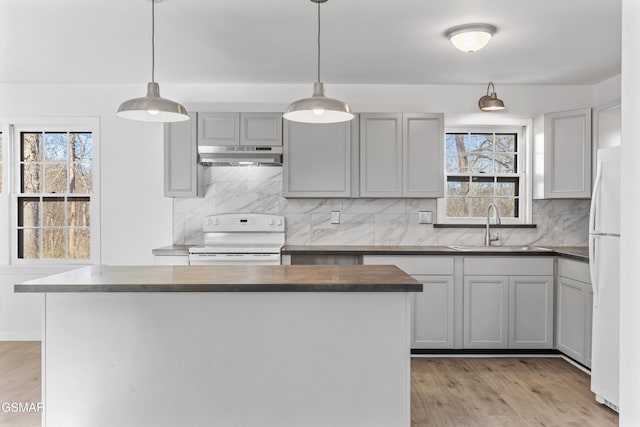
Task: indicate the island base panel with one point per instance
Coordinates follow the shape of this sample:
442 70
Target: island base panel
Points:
227 359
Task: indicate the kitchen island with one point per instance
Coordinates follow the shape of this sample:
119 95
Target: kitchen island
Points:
226 346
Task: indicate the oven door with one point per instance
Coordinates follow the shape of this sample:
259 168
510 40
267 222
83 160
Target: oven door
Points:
234 259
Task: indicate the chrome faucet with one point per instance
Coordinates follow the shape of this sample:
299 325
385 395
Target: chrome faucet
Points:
487 235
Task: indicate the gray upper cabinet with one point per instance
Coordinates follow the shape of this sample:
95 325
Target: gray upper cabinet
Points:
218 129
183 177
423 151
261 129
562 159
401 155
381 155
317 159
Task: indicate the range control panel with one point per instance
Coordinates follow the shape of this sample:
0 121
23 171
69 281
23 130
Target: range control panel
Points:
243 223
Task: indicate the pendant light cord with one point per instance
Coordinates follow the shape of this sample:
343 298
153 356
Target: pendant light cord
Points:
318 42
153 40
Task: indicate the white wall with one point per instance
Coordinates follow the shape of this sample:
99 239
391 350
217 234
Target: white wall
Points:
630 227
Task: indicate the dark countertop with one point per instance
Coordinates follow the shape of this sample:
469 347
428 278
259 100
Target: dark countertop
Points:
249 278
578 253
172 250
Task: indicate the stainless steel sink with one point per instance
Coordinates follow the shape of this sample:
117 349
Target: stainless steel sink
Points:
465 248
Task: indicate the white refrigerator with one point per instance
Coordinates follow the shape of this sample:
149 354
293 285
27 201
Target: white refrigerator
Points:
604 263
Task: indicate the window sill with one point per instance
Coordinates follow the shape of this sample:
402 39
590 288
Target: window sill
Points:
484 225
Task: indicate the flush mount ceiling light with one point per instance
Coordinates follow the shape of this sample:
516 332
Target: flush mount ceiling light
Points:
152 108
318 108
490 102
471 37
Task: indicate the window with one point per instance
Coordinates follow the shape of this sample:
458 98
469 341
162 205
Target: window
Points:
484 167
55 185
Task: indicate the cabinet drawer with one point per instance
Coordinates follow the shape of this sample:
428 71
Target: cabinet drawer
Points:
510 266
575 270
414 264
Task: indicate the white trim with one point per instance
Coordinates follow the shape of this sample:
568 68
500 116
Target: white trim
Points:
523 127
20 336
51 124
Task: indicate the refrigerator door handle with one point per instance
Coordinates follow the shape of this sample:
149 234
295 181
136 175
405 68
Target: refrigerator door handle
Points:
594 198
593 269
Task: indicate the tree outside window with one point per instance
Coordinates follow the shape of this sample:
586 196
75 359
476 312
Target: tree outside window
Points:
54 205
482 168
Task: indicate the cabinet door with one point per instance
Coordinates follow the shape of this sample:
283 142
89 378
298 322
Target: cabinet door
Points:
317 159
486 312
567 154
432 313
531 312
182 174
264 129
218 129
422 152
571 328
381 155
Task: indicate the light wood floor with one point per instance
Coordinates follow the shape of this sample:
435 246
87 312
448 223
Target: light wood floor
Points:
503 392
19 381
444 392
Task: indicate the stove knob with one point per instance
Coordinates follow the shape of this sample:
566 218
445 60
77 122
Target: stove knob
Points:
279 222
217 221
270 221
209 221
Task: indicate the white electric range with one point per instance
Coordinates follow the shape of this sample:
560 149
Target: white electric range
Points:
237 239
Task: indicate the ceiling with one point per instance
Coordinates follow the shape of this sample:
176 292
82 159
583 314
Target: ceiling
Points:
273 41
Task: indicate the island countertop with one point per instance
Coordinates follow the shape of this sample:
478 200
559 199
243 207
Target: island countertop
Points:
247 278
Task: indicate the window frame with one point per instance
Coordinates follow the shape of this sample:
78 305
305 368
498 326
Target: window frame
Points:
86 124
523 130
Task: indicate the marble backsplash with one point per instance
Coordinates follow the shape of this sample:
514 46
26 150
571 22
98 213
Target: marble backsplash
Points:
363 221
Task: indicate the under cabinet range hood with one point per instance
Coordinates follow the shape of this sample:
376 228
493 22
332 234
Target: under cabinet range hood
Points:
243 155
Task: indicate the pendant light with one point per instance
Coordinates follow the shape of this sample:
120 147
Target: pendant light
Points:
318 108
152 108
471 37
490 102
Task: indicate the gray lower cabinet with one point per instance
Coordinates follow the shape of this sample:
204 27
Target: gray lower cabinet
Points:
183 177
531 312
486 312
317 159
401 155
432 311
575 299
508 302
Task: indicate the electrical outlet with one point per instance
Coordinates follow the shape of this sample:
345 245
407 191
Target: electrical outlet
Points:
335 217
425 217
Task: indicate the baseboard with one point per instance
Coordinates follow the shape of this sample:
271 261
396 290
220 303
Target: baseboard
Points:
467 352
21 336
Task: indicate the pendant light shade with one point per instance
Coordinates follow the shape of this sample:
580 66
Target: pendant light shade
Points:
471 37
152 108
490 101
318 108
